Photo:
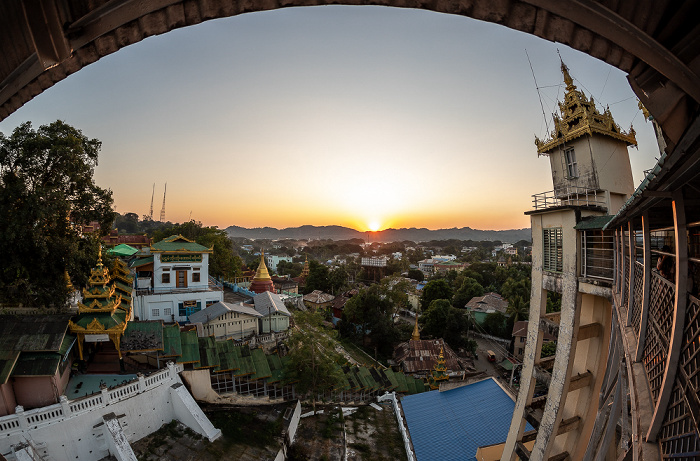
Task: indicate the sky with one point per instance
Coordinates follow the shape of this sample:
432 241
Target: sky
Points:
367 117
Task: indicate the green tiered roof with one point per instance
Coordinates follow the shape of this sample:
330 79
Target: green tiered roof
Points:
208 354
172 347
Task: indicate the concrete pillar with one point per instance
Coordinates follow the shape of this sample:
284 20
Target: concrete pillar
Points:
22 418
65 406
561 372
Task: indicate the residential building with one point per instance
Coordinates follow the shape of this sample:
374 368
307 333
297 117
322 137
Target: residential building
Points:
317 300
520 338
480 306
274 314
173 281
274 260
223 321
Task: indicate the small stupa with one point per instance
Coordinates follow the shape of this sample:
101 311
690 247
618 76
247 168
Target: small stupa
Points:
262 281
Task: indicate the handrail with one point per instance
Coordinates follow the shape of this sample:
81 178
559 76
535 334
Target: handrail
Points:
568 196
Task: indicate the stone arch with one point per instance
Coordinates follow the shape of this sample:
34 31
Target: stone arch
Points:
47 40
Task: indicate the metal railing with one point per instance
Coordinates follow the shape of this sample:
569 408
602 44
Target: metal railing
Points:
568 196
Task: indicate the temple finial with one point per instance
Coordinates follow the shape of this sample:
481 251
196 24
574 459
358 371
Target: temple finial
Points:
567 77
416 334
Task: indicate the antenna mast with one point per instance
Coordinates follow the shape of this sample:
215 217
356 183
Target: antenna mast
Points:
162 210
150 213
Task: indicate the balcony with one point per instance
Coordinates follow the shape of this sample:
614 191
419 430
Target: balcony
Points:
569 196
143 287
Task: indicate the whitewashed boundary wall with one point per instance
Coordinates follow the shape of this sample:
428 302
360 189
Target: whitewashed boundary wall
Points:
72 429
402 424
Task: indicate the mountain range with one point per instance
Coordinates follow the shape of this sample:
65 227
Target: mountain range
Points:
387 235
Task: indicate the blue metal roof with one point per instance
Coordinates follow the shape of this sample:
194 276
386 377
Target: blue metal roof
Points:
451 425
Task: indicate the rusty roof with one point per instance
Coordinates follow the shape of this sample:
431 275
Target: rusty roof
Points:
421 356
33 333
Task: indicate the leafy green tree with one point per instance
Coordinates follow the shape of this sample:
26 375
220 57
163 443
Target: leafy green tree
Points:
317 278
46 182
434 319
416 274
517 310
313 359
435 289
549 349
289 268
337 280
469 289
495 324
553 302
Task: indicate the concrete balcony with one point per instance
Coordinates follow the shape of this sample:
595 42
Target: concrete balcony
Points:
569 196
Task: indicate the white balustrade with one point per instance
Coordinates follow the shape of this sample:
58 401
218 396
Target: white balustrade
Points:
23 421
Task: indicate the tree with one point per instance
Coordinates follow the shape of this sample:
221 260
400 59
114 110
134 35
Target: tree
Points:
46 192
371 310
434 319
495 324
435 289
317 278
517 310
416 274
312 365
549 349
469 289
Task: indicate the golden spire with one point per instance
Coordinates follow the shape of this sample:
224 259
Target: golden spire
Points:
305 270
567 78
416 335
262 273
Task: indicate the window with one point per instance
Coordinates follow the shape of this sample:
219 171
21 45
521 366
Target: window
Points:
195 276
187 308
165 278
168 311
155 312
571 169
552 248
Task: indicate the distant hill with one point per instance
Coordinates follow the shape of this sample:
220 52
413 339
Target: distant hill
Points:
387 235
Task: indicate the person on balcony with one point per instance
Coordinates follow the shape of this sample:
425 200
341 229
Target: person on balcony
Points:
666 265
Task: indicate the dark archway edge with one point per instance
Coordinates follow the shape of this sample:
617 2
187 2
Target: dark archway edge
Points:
656 42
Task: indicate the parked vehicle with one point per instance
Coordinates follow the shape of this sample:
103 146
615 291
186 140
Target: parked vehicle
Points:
491 356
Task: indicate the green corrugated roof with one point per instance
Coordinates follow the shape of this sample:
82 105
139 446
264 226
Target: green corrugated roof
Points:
227 361
245 363
178 243
190 347
392 378
208 354
123 250
262 369
33 332
141 261
118 317
37 364
401 378
172 346
7 363
593 222
410 385
145 335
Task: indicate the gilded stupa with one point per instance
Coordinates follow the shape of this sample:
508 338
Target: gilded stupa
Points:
102 314
439 373
262 281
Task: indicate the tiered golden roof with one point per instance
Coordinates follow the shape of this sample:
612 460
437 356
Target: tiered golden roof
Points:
305 270
579 116
416 334
439 372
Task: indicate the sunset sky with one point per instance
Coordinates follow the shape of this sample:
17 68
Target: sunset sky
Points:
331 115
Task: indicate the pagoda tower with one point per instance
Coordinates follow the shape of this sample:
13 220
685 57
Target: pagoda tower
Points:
101 315
439 372
262 281
572 255
416 334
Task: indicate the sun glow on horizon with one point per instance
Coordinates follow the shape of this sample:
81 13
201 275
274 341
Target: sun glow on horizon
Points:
374 225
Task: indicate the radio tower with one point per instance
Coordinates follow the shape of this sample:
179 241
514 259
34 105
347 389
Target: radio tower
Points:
162 210
150 214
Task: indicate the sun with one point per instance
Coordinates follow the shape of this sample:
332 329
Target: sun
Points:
374 226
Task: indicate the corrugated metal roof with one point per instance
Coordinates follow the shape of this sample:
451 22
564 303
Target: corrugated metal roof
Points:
32 332
593 222
268 303
216 310
451 425
145 335
172 347
190 347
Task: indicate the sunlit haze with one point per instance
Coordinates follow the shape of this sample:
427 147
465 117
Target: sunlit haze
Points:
366 117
